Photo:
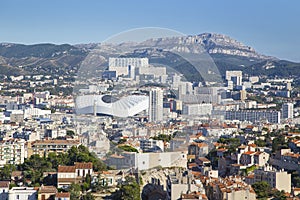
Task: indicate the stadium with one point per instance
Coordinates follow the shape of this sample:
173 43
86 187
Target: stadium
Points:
127 106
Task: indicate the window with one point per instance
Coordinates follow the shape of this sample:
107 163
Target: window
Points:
18 196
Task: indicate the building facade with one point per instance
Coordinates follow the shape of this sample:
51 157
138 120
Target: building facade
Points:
156 105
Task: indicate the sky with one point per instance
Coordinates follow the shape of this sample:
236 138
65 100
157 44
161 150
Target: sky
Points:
271 27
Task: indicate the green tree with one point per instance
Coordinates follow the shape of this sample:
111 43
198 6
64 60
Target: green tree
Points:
262 189
260 143
74 191
129 190
128 148
5 172
279 195
279 143
88 196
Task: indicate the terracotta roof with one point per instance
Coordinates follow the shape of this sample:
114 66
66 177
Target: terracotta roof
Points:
46 142
63 195
47 189
4 184
221 149
200 145
16 173
203 159
249 153
83 165
66 169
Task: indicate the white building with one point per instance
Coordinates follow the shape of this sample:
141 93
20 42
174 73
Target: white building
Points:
127 66
150 144
12 151
287 110
66 175
234 76
108 105
254 116
144 161
197 109
125 62
22 193
156 105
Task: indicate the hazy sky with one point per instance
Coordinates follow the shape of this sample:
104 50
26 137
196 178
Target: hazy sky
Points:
272 27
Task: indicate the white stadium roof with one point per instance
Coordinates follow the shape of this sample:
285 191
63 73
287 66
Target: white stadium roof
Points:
105 104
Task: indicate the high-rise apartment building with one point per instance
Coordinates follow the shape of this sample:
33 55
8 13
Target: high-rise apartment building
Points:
287 110
155 105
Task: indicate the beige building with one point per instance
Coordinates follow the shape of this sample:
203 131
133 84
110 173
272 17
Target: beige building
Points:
44 147
46 192
66 175
280 180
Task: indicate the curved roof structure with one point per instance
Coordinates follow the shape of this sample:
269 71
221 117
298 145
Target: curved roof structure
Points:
105 104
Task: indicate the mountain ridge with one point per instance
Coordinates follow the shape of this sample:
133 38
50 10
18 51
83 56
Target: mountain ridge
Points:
227 53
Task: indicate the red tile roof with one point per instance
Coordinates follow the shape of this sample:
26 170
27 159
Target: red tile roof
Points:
4 184
47 189
66 169
83 165
63 195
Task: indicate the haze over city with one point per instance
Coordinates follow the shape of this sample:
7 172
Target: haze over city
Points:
271 27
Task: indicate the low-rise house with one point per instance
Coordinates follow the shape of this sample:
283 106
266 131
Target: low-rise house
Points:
229 188
66 175
198 149
62 196
47 192
22 193
4 187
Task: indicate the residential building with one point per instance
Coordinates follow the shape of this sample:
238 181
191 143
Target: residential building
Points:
22 193
156 105
12 151
235 77
62 196
66 175
46 192
4 187
280 180
150 145
229 188
44 147
287 110
254 116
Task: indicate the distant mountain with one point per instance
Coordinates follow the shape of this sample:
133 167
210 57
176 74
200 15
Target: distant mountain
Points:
39 58
227 53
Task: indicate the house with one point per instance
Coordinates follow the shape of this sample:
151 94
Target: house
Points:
66 175
47 192
22 193
198 149
62 196
4 187
229 188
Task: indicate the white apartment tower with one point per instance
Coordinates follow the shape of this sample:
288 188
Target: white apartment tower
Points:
125 62
287 110
156 105
234 76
